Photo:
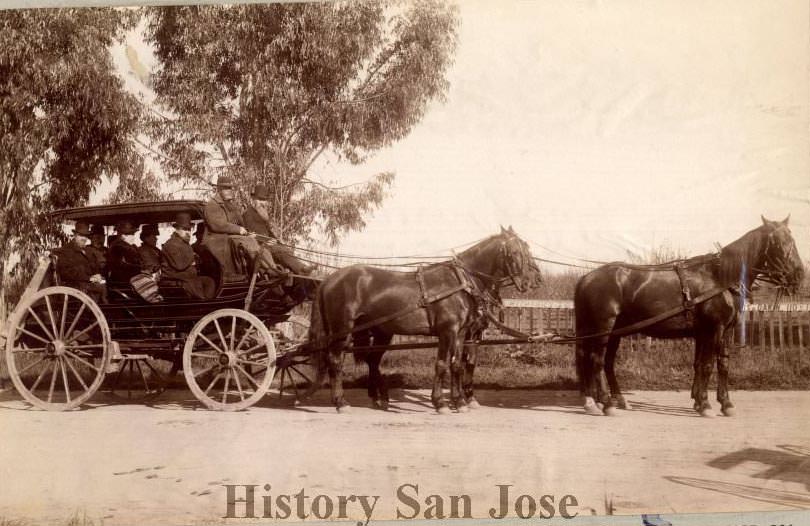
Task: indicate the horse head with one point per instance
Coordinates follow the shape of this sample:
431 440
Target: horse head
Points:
779 260
517 262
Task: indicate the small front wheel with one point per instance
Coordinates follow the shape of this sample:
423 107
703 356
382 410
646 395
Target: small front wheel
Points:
229 360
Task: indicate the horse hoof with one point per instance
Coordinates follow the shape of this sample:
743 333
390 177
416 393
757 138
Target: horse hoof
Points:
611 411
380 404
443 410
707 412
621 403
593 410
344 409
463 409
729 410
600 405
473 404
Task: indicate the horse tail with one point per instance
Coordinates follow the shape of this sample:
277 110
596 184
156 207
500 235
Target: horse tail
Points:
318 341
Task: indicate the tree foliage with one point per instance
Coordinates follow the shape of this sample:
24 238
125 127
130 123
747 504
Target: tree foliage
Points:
65 120
261 91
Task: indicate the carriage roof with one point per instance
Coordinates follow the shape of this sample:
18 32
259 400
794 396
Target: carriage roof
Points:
148 212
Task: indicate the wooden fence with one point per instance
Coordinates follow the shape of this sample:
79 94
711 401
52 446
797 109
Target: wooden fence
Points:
787 327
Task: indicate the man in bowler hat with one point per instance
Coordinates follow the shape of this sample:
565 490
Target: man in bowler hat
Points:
179 264
75 268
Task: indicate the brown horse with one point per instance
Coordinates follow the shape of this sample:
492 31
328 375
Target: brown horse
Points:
612 300
360 302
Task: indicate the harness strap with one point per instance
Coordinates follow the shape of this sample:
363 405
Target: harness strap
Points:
688 304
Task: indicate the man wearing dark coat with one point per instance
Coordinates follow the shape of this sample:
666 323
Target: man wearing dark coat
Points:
96 250
123 259
75 268
257 220
179 262
224 229
148 251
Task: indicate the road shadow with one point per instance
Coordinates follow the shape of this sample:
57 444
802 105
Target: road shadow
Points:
788 463
661 409
782 498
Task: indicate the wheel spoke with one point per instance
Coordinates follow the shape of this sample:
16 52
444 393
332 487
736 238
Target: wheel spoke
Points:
42 325
244 337
205 356
204 371
31 334
64 317
255 347
227 384
302 375
76 374
75 321
83 331
214 381
143 376
221 337
281 387
240 368
39 378
204 337
82 360
238 385
51 316
53 383
64 378
233 330
87 346
21 371
259 364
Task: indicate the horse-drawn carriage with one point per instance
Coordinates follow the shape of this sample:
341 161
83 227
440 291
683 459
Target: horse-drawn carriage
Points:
61 344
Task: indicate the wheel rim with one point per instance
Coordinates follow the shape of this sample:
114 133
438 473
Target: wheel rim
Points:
229 360
58 348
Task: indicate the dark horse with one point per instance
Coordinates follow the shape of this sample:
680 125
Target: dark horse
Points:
359 303
615 299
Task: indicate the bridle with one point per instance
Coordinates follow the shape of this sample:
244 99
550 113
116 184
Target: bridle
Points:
512 263
775 268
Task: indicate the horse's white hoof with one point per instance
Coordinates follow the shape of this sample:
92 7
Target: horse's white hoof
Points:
592 408
344 409
473 404
463 409
729 411
707 413
600 405
611 411
443 410
621 403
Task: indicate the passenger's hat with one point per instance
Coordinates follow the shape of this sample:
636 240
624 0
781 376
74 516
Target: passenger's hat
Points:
260 192
98 230
224 181
125 227
82 228
182 220
149 229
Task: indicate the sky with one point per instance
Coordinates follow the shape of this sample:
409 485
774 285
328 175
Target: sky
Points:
598 129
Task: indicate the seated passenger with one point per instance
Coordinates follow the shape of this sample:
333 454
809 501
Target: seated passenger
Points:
75 268
96 250
179 262
123 259
149 252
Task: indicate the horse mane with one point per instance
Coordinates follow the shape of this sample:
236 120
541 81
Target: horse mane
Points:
737 254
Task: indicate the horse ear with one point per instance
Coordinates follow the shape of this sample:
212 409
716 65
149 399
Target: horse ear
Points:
785 221
765 221
503 230
510 229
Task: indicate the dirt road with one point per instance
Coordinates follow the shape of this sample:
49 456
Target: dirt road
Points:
170 462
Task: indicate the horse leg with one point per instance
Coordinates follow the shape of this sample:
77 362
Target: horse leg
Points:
698 373
446 342
457 376
704 347
589 379
602 390
363 339
382 385
335 367
722 343
610 362
469 357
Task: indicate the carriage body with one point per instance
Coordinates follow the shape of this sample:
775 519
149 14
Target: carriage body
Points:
139 345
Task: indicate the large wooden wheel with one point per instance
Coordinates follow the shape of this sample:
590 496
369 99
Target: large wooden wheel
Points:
296 371
58 348
229 360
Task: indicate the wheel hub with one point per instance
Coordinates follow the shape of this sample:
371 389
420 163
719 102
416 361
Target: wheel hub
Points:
227 359
56 348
